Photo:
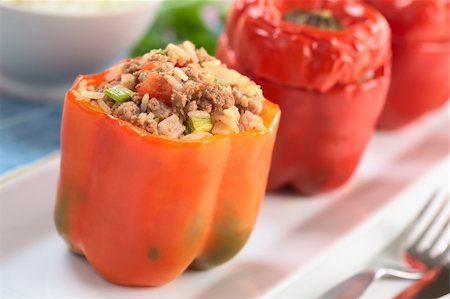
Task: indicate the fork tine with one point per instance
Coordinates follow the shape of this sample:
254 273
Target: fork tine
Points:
441 232
424 210
415 245
441 258
427 205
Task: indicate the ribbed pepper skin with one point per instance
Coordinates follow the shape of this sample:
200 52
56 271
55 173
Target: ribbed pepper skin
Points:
322 135
421 59
142 208
328 115
416 20
420 82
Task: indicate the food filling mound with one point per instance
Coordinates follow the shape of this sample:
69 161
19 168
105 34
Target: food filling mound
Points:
179 92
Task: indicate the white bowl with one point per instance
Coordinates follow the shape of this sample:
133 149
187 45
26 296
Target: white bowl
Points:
41 52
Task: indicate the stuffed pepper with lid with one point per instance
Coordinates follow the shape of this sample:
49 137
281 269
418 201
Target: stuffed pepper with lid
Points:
327 64
421 58
164 162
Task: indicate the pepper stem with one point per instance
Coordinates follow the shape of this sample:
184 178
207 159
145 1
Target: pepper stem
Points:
321 18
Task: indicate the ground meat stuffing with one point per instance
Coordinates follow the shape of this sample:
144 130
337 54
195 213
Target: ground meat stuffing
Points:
131 67
128 80
126 111
179 92
146 122
158 108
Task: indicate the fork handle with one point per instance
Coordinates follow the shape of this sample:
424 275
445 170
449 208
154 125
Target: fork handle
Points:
353 287
356 285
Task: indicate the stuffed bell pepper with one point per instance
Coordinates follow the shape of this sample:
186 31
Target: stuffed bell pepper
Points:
327 64
421 58
164 162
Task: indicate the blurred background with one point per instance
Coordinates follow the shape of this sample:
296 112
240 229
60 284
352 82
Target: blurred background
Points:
44 44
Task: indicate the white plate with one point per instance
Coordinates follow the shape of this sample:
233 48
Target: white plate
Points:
299 247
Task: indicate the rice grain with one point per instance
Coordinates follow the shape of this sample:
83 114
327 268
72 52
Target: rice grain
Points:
82 86
174 82
144 102
103 105
145 58
178 51
190 49
225 125
211 63
180 74
95 95
78 96
199 114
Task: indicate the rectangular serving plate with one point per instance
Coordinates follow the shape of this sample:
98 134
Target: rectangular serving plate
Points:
300 246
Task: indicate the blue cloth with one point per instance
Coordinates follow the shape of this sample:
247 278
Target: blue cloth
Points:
28 131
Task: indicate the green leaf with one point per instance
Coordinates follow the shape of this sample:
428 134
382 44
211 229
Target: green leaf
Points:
178 21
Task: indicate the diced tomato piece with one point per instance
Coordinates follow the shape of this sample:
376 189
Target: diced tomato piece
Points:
150 65
156 86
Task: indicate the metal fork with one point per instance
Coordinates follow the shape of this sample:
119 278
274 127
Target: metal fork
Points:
433 255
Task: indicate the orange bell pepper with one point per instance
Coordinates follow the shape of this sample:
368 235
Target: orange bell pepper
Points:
142 208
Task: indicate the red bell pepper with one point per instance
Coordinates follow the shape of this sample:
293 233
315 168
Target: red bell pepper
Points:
142 208
314 75
421 58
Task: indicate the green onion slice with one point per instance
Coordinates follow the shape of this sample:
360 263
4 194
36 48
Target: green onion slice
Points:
199 124
118 93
